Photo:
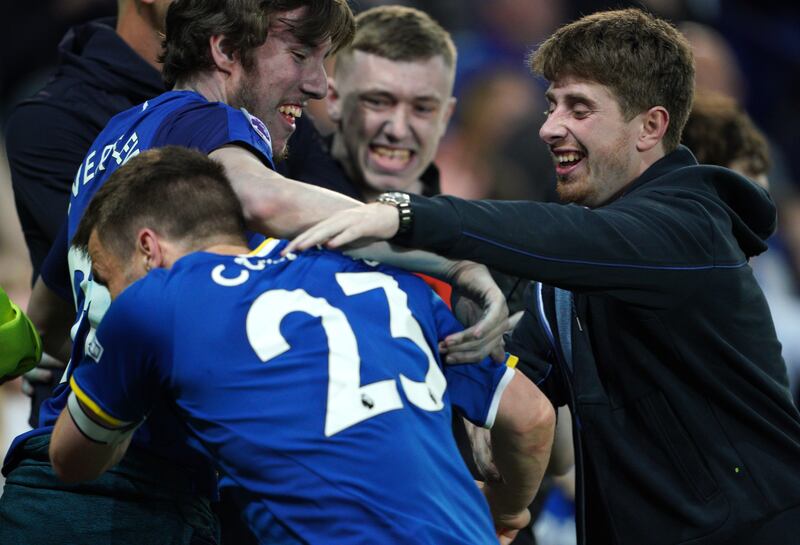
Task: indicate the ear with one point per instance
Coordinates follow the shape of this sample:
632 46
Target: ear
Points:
334 101
149 249
224 59
654 124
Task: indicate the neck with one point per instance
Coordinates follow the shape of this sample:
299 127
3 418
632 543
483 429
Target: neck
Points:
208 84
227 249
339 152
137 27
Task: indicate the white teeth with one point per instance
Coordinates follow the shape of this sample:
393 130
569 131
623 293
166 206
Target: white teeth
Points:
567 157
290 109
401 154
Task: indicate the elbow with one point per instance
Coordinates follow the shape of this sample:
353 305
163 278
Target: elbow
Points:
258 207
70 469
539 423
531 421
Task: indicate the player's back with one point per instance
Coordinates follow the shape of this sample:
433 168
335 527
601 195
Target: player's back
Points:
313 384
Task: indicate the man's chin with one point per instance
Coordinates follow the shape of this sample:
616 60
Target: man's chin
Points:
572 191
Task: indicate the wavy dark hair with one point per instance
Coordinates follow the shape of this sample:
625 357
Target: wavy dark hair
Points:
644 60
245 23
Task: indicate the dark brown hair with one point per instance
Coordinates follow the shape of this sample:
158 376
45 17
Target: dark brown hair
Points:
400 33
644 60
180 193
719 132
191 24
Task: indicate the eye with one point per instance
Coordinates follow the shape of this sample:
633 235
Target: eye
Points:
424 109
299 56
581 111
376 102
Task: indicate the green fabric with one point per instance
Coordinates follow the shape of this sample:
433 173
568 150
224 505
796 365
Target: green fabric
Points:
20 345
137 502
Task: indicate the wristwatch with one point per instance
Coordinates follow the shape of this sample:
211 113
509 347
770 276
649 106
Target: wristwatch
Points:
402 202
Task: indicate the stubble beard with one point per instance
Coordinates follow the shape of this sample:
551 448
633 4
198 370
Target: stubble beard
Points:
600 180
245 97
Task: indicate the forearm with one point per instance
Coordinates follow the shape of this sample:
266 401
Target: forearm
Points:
275 205
568 246
405 258
522 438
52 316
521 460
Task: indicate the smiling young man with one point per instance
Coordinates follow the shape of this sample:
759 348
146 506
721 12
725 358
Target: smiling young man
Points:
391 99
656 333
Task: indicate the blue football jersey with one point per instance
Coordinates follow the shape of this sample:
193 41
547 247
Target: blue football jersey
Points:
315 384
182 118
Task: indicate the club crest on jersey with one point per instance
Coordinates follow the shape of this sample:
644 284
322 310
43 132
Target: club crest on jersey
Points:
259 127
94 349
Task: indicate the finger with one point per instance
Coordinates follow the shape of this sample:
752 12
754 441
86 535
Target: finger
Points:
305 240
469 340
344 238
38 375
460 354
465 357
506 536
26 388
498 355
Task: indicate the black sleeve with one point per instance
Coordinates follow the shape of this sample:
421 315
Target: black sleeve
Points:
45 147
640 249
55 267
535 355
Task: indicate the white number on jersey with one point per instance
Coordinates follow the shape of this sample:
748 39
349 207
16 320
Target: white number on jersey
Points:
349 402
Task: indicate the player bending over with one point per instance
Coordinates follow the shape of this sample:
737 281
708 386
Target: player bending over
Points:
313 382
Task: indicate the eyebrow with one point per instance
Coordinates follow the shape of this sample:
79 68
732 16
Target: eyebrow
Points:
572 98
389 94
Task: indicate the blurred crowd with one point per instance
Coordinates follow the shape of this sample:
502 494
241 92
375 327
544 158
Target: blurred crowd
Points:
749 52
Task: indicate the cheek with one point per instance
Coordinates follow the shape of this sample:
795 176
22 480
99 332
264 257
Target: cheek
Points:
428 135
364 125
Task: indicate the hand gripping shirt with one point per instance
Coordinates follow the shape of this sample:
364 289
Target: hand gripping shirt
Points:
313 382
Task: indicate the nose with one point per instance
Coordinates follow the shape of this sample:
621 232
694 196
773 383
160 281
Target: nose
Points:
397 126
553 128
315 84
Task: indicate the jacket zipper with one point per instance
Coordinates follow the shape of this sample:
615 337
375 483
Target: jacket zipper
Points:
580 519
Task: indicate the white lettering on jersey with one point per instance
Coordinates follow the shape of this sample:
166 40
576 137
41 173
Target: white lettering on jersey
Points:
88 170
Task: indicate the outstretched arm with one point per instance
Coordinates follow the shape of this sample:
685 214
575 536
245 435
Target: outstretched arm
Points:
273 204
282 207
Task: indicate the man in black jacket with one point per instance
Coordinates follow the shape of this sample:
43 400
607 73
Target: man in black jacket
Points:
651 328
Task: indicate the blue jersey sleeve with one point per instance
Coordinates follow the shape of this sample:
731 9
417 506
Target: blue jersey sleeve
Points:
118 382
210 126
475 388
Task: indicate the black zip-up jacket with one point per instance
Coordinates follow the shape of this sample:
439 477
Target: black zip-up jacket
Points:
47 135
685 430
